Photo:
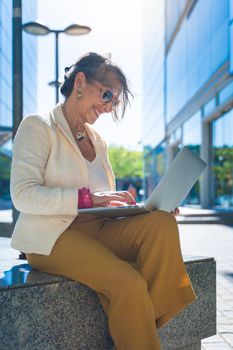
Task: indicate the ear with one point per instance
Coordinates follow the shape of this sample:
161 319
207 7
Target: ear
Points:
80 81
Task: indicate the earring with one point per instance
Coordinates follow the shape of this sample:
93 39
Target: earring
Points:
79 93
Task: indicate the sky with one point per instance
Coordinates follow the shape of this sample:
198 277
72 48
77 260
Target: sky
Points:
116 29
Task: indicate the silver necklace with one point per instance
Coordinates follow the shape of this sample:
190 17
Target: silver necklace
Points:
80 135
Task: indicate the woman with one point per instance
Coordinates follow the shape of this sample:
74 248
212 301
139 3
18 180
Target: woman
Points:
60 164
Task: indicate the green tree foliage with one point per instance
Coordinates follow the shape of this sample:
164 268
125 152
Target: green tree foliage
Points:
5 167
223 170
126 163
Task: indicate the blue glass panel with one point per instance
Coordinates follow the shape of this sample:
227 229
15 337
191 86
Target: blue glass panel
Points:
5 59
223 160
199 49
192 139
30 61
153 122
176 136
231 48
209 107
174 8
192 130
155 164
226 93
231 9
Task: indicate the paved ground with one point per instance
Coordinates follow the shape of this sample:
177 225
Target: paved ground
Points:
216 241
206 240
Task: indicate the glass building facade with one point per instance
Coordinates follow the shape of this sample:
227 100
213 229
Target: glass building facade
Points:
196 57
223 160
29 11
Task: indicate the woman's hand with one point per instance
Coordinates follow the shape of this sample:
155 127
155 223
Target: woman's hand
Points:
103 199
175 212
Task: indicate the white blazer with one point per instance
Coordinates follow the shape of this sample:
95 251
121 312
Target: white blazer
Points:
47 171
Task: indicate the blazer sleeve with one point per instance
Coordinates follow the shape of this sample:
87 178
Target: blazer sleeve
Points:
31 150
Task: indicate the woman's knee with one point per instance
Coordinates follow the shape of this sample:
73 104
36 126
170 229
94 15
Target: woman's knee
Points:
162 224
131 283
161 218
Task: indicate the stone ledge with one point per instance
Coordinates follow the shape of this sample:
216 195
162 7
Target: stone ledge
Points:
41 311
198 320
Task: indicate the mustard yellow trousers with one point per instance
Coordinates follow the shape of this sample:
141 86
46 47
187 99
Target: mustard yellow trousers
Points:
135 266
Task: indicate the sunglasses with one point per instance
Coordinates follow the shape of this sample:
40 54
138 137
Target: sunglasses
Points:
106 94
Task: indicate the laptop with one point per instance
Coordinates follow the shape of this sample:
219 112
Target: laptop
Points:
169 193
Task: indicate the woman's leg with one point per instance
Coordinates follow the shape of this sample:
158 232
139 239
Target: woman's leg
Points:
81 257
152 242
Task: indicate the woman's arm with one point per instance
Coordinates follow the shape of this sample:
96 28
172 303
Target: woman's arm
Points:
30 154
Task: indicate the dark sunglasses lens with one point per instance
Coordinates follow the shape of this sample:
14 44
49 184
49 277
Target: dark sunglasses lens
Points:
107 96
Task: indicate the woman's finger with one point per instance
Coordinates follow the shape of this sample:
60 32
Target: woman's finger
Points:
102 199
128 197
175 212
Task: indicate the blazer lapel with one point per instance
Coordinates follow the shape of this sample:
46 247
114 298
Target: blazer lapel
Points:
62 124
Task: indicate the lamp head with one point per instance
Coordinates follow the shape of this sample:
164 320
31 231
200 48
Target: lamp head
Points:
36 28
77 29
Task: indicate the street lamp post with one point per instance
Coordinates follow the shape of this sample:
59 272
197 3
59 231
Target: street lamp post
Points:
38 28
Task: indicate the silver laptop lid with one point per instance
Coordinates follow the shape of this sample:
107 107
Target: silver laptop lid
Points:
177 182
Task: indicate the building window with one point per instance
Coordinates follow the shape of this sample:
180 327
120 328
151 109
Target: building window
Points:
223 160
174 10
154 168
209 107
5 166
226 93
192 140
231 48
199 49
231 35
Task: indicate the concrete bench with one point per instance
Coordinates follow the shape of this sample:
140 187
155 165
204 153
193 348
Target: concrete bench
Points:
45 312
